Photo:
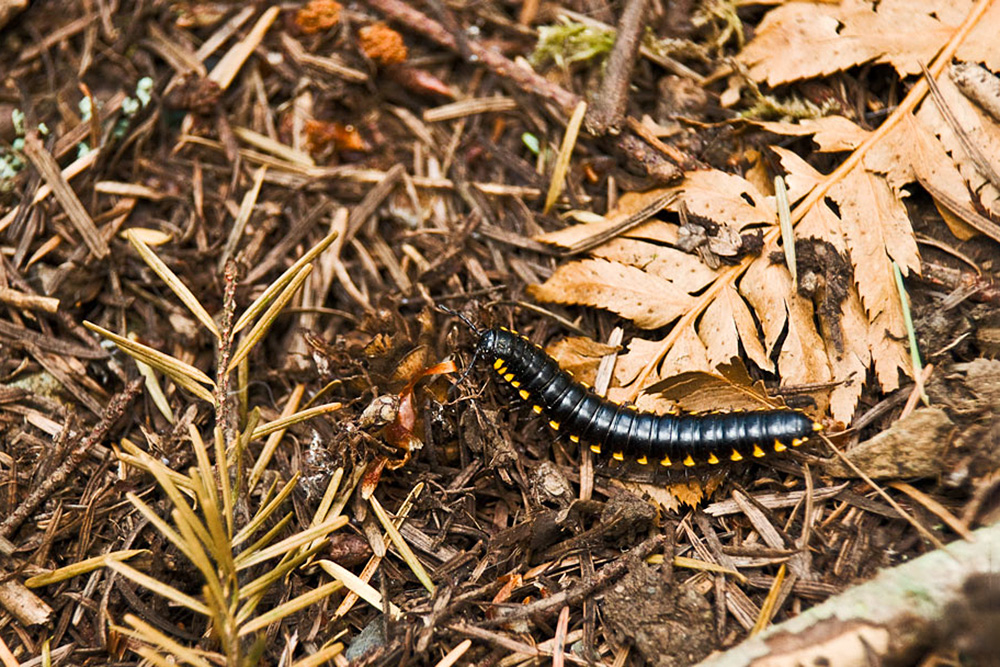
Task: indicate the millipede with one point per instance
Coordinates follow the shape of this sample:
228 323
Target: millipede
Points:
622 430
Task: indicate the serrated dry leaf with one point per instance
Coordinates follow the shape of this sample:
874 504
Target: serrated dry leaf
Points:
580 356
699 391
877 231
726 322
628 205
686 271
687 354
725 199
802 358
630 364
981 130
647 300
827 38
832 133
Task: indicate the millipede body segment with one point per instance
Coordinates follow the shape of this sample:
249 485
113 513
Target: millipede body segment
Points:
623 431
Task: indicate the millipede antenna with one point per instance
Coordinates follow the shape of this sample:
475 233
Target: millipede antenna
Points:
476 330
465 320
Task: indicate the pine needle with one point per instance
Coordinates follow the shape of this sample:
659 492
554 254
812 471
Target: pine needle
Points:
173 282
261 302
185 375
268 318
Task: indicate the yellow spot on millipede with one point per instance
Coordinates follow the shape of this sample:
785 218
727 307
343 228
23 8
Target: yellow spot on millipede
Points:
574 438
735 456
688 461
524 394
817 427
509 377
712 459
515 384
642 460
554 425
666 462
596 449
779 446
757 451
618 456
537 409
498 364
798 441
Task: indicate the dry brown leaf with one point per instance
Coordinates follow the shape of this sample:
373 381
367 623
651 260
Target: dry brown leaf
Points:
686 271
981 44
981 130
580 356
629 204
649 301
704 392
726 322
832 133
877 231
687 354
629 364
725 199
802 357
827 38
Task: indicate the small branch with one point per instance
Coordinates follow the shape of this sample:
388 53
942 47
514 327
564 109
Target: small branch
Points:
116 408
502 66
639 154
607 109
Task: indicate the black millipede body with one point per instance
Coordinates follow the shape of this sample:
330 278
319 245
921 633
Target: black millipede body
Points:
622 430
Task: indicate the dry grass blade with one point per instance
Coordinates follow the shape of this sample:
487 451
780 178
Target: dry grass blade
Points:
936 508
275 148
290 607
454 654
928 535
469 107
185 375
144 632
321 656
285 422
404 549
705 566
360 588
261 302
267 319
768 608
173 282
246 559
158 587
82 567
565 153
225 70
911 332
7 658
375 560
